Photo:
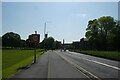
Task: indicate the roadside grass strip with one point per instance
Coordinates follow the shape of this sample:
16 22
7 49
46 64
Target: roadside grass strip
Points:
10 68
113 55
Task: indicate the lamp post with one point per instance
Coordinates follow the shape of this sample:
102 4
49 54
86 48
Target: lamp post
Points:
35 50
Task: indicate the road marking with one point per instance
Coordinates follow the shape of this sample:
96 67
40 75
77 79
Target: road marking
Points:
101 63
85 72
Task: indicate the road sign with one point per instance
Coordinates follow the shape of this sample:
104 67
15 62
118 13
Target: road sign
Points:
36 38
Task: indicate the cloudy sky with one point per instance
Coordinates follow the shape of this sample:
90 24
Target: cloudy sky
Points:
65 20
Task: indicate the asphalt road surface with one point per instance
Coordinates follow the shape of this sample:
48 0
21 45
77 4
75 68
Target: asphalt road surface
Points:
57 64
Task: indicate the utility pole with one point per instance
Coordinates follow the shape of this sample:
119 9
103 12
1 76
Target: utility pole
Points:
35 50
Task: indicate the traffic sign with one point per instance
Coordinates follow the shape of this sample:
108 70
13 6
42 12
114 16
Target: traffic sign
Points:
36 38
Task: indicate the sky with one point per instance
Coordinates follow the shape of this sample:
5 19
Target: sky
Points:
59 0
64 20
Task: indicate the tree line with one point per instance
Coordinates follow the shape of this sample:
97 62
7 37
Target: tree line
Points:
103 33
13 40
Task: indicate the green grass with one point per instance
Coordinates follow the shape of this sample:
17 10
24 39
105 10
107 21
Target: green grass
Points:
114 55
14 59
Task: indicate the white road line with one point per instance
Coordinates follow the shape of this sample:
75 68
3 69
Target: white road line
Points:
85 72
101 63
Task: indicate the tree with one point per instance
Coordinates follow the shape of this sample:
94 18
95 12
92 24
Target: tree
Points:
102 32
56 45
23 44
11 39
106 24
29 42
92 32
113 37
48 43
0 42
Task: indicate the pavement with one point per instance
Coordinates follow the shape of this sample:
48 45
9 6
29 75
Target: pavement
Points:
37 70
99 67
57 64
59 68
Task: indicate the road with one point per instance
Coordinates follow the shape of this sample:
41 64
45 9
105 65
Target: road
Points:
57 64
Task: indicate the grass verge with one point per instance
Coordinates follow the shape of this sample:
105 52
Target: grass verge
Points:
113 55
14 59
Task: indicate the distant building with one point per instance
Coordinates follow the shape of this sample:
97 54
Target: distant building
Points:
76 44
84 44
66 45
